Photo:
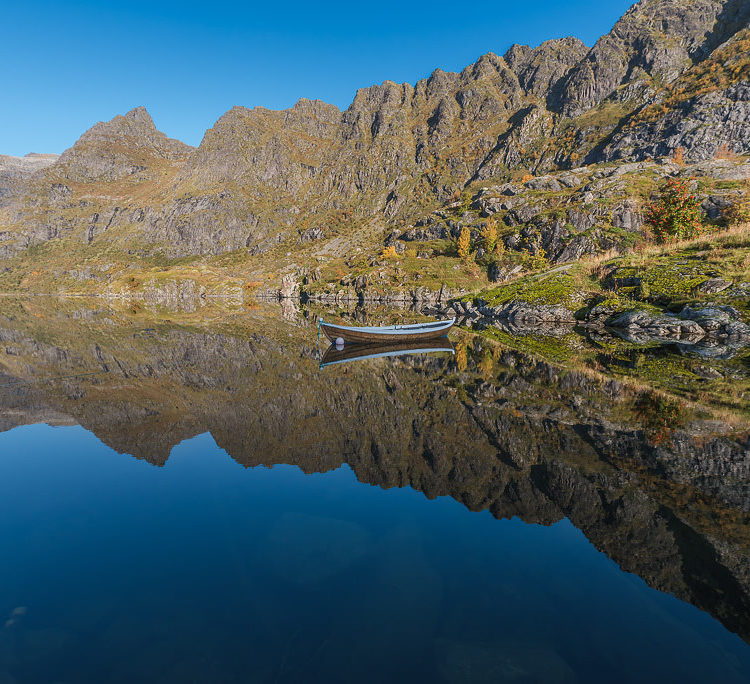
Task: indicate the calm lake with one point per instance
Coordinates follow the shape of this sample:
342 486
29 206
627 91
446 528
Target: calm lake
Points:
196 500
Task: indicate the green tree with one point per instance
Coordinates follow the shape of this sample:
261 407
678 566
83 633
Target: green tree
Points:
676 214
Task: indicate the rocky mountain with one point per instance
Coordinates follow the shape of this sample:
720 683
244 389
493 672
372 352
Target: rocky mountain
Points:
670 74
124 147
654 43
15 170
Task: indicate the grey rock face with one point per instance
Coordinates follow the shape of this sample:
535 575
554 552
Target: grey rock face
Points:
658 37
433 231
498 274
541 71
314 233
699 125
15 171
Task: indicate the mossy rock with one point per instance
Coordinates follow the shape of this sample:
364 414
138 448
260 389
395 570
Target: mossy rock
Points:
559 289
664 281
614 306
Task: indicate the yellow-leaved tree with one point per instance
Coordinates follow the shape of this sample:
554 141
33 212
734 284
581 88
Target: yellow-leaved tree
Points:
500 249
464 244
489 235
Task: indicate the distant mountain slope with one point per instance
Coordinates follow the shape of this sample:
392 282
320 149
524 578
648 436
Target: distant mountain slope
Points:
14 171
670 74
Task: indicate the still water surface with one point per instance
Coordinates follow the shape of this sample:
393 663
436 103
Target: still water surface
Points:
232 513
207 571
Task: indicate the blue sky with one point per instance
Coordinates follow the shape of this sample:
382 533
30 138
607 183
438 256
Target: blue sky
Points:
67 65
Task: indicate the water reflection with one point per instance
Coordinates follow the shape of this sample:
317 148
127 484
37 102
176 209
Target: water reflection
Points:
360 352
490 427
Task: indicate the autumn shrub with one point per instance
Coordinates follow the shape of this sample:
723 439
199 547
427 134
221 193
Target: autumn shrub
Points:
486 365
658 415
536 261
389 253
724 152
676 214
461 356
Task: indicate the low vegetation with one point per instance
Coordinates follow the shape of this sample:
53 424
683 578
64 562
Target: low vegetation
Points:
676 214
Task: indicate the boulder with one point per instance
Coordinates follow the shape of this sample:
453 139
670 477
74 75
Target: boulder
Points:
643 326
548 183
628 216
314 233
718 321
715 205
714 285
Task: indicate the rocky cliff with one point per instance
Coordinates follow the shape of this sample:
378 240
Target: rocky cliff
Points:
670 74
14 171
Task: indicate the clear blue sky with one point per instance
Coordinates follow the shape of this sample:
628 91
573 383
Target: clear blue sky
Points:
68 64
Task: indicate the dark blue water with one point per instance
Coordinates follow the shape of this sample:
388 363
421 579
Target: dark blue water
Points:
114 570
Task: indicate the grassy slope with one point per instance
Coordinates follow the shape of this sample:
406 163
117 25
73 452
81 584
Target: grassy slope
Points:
121 264
671 275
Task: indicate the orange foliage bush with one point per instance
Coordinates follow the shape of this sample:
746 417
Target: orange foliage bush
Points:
724 152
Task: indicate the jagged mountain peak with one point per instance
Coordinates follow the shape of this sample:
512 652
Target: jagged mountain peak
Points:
541 70
314 106
136 123
140 115
656 38
117 148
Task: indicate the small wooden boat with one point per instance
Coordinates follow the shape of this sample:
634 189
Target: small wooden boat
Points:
416 332
360 352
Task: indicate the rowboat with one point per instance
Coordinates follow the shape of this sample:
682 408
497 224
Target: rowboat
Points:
360 352
416 332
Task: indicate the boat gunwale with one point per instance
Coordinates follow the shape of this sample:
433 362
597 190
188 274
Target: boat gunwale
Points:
410 329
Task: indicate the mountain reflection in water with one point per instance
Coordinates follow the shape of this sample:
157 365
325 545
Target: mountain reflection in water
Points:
491 428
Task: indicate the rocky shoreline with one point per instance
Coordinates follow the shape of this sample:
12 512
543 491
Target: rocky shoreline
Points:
717 323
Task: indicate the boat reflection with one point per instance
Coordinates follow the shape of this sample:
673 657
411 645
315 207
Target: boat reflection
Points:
359 352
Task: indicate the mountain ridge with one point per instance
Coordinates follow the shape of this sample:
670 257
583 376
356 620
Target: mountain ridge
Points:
263 177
